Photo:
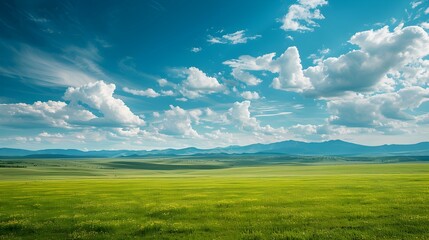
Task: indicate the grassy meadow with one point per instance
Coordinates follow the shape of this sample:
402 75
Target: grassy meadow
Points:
192 198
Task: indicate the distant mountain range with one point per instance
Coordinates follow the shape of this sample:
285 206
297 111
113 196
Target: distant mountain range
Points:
293 148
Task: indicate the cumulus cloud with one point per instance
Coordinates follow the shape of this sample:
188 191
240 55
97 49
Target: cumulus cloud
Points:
287 66
232 38
376 86
243 64
304 129
301 16
178 122
239 114
128 132
99 96
245 77
378 110
291 76
51 137
43 114
197 83
412 74
423 119
167 93
90 104
381 51
162 82
214 117
248 95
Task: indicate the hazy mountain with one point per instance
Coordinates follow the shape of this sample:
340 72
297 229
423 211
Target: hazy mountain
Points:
328 148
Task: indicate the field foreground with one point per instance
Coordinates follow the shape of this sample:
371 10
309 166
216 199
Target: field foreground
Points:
362 201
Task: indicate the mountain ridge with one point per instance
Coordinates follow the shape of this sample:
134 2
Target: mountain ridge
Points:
289 147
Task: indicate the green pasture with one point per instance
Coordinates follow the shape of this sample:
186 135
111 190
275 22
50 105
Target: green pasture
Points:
212 199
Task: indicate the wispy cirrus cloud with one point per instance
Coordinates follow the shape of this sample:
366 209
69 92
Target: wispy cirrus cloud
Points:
273 114
237 37
40 68
145 93
415 4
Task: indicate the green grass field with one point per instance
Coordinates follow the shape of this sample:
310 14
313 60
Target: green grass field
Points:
193 198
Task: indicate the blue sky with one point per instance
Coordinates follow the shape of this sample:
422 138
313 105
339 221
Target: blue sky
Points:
171 74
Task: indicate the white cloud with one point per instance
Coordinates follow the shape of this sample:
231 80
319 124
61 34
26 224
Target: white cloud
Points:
36 19
145 93
247 62
162 82
46 70
85 58
167 93
424 25
214 40
381 52
304 129
380 111
214 117
415 4
128 132
165 83
288 66
291 76
178 122
273 114
232 38
196 49
198 83
423 119
248 95
301 16
239 114
245 77
427 11
99 96
413 74
51 137
324 51
298 106
381 83
43 114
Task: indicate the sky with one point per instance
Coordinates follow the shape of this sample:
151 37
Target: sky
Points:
160 74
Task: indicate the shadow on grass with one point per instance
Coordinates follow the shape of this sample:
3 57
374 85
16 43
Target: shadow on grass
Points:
157 166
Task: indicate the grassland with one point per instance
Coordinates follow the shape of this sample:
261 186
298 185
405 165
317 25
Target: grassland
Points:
192 198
